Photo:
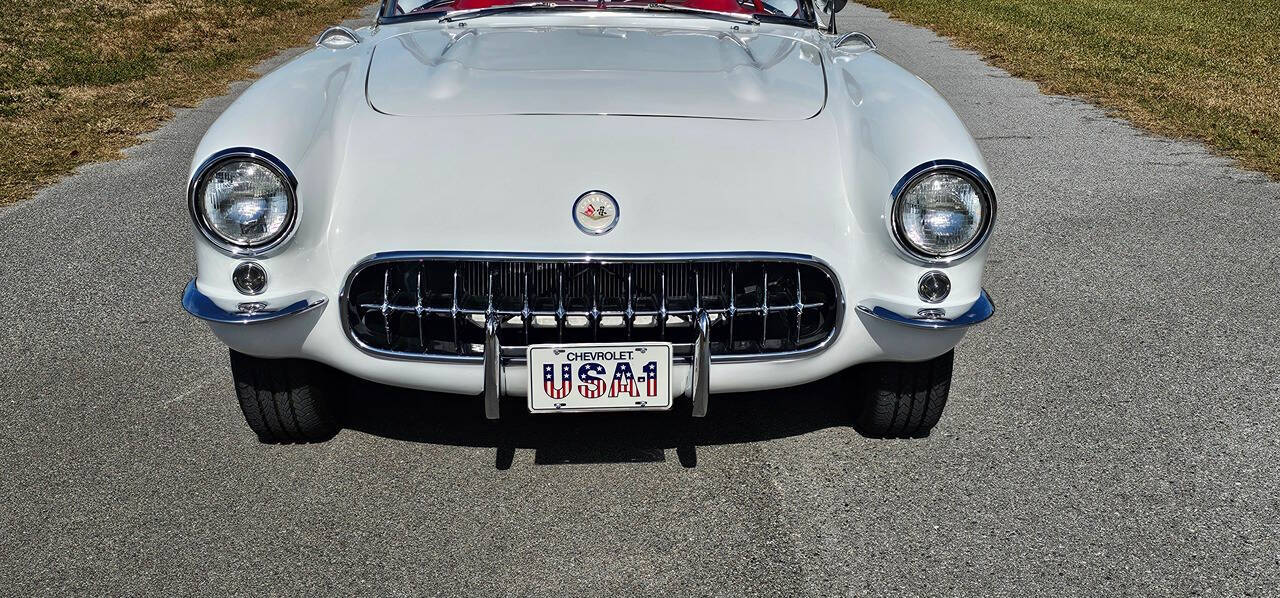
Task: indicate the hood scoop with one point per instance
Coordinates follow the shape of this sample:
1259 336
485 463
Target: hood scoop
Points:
596 70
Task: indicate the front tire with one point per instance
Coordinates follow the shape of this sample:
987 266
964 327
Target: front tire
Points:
285 401
903 400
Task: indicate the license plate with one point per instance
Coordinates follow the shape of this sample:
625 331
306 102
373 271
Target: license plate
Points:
614 376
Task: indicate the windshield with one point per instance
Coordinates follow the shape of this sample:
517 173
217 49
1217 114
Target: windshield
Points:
768 9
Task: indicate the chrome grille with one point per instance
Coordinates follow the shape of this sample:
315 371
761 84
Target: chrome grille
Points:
434 307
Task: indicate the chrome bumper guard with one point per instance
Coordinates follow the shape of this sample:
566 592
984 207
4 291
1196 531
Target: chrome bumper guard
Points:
982 310
249 312
492 369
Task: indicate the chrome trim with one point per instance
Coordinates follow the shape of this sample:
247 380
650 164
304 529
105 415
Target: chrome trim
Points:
481 256
982 310
711 14
251 307
337 30
858 35
492 369
921 171
272 163
459 15
617 213
201 306
701 388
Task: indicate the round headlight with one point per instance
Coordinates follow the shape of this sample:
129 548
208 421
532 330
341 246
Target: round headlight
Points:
942 214
244 204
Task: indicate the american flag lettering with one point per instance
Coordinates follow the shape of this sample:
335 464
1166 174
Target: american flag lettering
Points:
650 378
549 380
591 375
624 380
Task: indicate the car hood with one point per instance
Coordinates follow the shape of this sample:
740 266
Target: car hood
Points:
597 70
509 183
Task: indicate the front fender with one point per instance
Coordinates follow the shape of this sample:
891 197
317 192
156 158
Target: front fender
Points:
300 113
891 122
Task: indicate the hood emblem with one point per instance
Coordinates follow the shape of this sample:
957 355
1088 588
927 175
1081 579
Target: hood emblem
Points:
595 212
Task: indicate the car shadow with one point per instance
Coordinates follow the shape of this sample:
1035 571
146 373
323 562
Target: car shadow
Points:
635 437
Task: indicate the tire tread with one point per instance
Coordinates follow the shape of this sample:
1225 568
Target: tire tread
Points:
284 401
904 400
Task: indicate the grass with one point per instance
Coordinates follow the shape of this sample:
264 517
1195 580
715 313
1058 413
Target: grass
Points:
79 81
1201 69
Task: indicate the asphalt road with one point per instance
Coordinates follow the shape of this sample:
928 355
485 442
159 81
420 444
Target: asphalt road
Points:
1112 432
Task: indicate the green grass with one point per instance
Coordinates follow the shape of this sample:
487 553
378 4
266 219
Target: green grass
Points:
1202 69
79 81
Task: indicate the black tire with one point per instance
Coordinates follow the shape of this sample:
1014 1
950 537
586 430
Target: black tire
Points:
285 401
903 400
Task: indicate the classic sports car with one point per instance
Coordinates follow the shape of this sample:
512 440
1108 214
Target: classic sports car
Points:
598 206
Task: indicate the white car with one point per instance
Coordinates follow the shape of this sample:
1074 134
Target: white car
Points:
596 206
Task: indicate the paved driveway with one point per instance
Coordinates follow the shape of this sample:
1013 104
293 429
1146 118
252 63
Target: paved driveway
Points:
1112 431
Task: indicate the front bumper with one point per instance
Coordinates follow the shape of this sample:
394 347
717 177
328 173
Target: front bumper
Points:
306 327
981 311
247 312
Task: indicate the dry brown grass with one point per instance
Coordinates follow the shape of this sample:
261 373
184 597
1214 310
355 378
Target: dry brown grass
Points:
1203 69
79 81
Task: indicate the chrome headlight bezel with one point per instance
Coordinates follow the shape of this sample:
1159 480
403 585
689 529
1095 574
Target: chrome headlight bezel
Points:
918 174
272 164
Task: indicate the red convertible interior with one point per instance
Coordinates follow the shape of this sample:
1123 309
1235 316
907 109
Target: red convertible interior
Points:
734 6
